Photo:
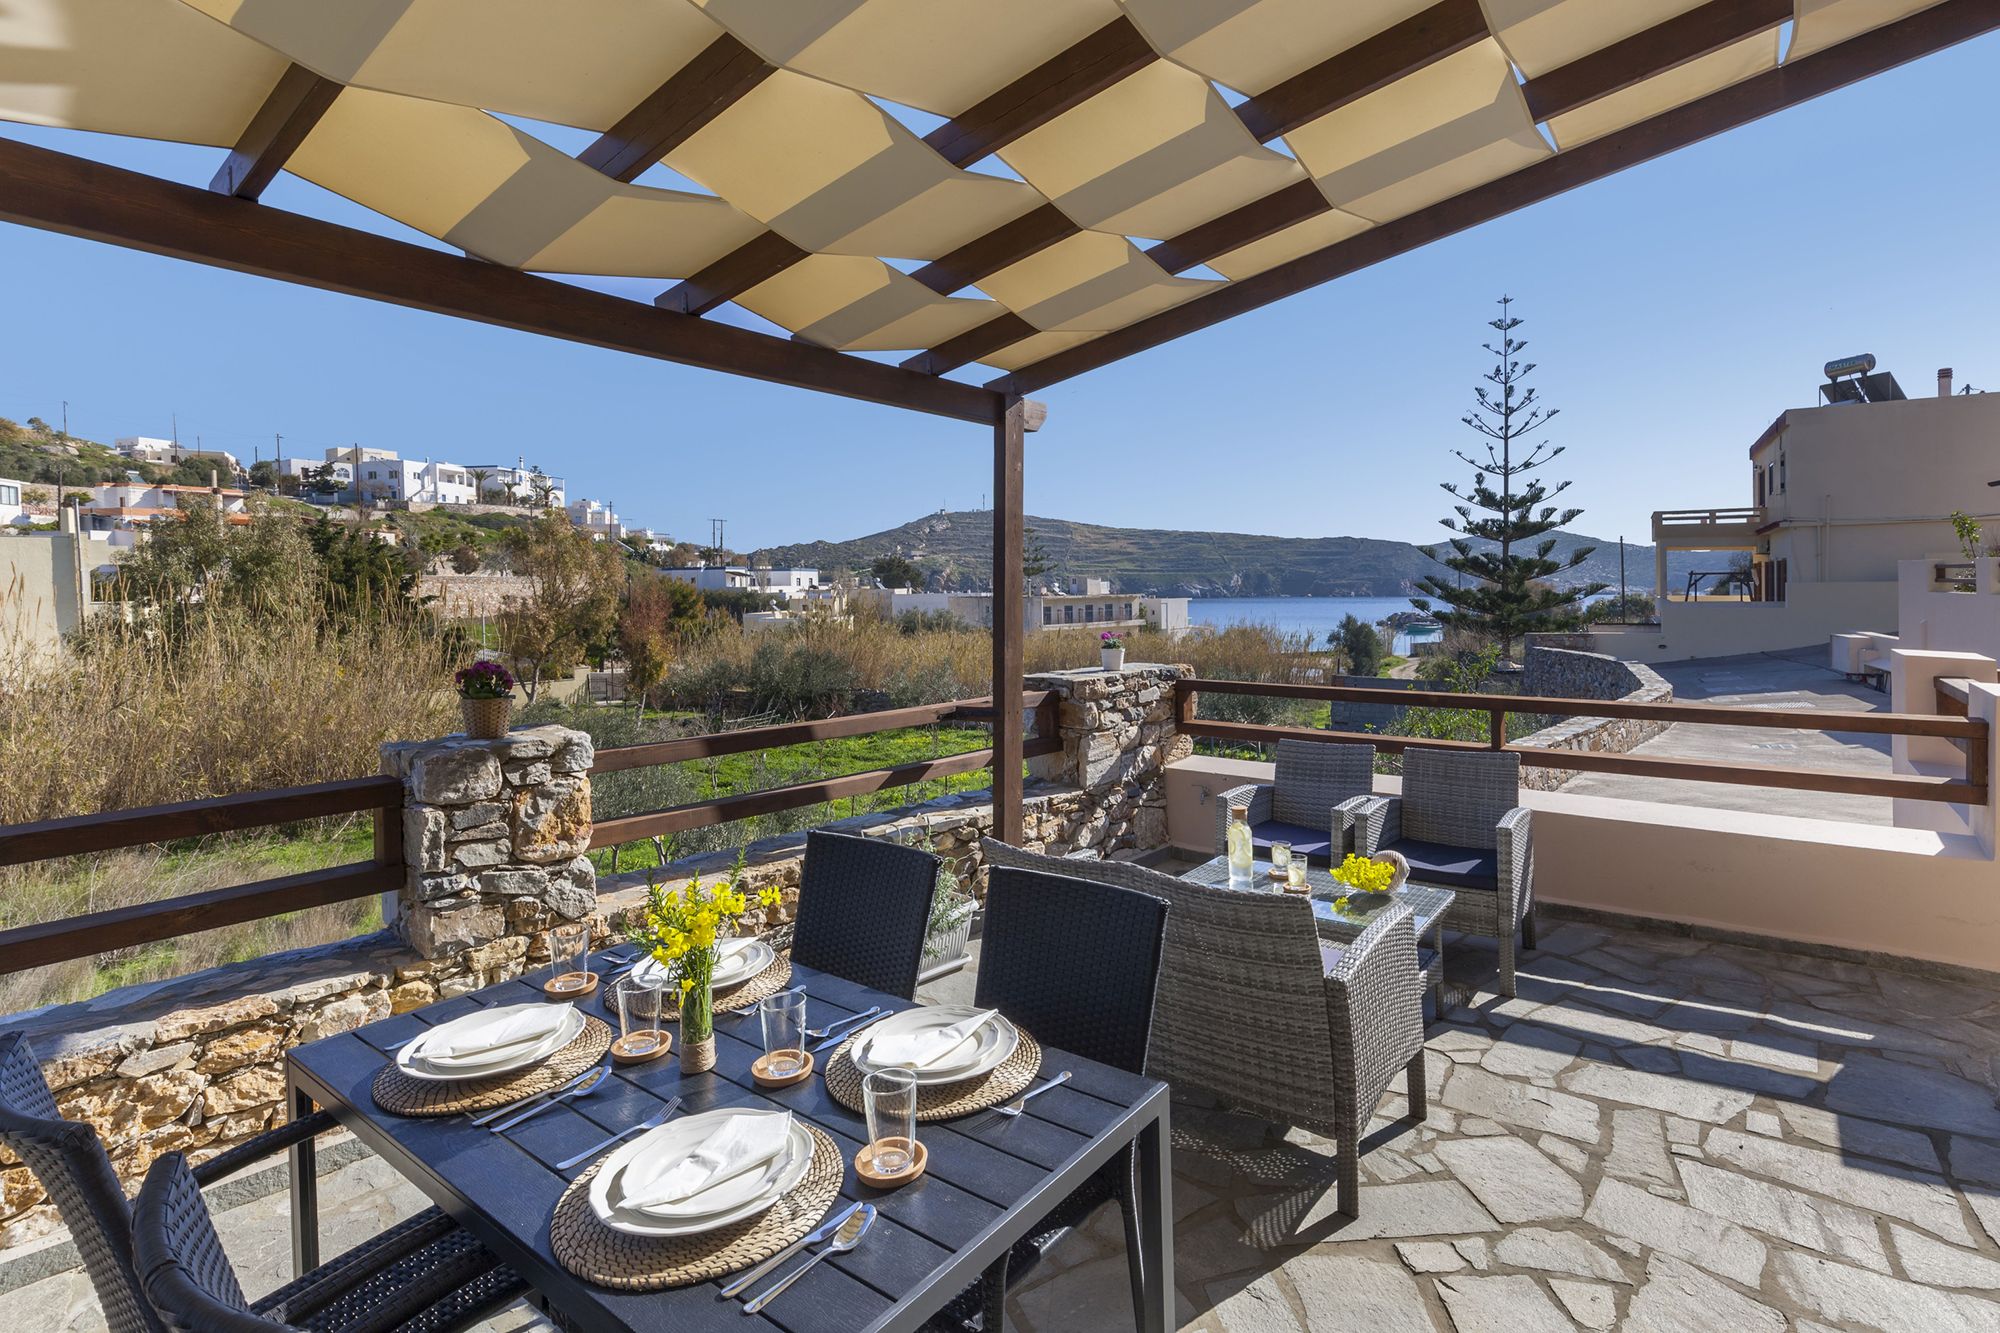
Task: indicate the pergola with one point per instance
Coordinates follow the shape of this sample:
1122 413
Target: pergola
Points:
1108 174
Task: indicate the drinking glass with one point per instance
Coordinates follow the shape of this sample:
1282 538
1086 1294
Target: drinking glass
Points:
639 1004
569 950
784 1019
1295 876
889 1097
1281 859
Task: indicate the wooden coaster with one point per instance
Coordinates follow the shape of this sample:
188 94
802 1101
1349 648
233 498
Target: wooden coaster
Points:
945 1101
622 1056
399 1094
1276 874
595 1253
555 992
760 1069
864 1167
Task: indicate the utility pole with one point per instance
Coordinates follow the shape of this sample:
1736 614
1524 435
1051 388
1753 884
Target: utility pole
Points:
176 419
65 418
715 526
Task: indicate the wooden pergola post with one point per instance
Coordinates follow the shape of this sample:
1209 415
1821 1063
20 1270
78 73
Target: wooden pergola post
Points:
1018 416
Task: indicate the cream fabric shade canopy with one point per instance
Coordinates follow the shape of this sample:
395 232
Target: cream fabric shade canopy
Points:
435 126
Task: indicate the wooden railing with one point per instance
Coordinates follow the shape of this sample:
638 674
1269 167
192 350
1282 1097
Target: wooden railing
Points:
1040 705
144 923
1967 734
93 933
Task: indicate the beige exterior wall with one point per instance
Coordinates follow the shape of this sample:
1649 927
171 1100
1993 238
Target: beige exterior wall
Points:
1810 613
1916 893
45 587
1869 484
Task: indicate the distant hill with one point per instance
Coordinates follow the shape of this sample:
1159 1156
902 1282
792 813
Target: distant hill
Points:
955 550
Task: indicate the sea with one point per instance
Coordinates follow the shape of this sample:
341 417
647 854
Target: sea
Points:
1314 616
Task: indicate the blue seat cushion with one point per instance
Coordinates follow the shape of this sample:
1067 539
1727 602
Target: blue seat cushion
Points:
1305 842
1449 867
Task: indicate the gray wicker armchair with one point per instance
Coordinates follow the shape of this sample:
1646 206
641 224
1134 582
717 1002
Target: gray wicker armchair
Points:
1460 825
69 1161
1334 1023
1308 803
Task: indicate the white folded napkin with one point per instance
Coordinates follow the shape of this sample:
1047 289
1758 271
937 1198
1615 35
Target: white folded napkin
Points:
504 1028
741 1143
926 1047
729 952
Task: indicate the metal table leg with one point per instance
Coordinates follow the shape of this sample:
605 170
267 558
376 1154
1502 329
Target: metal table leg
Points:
304 1166
1156 1224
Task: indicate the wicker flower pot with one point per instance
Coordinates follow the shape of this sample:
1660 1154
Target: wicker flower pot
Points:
698 1031
486 719
1114 658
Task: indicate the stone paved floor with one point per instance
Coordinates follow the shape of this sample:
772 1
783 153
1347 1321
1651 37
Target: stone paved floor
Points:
1796 679
1659 1134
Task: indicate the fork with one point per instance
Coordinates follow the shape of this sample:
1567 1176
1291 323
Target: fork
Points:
827 1031
486 1117
591 1082
653 1121
1017 1107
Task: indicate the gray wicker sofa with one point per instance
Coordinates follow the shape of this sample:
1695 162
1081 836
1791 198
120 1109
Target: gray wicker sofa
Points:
1254 1007
1460 825
1308 802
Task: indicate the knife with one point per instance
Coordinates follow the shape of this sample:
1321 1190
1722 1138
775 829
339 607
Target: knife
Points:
841 1037
822 1234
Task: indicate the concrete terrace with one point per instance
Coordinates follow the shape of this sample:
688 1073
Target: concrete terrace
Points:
1797 678
1659 1133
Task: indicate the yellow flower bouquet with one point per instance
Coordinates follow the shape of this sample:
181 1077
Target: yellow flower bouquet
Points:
1365 874
683 928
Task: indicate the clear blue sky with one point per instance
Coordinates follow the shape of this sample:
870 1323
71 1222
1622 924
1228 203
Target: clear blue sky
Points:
1674 310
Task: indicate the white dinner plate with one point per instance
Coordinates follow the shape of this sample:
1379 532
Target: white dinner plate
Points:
755 1192
733 968
410 1061
983 1054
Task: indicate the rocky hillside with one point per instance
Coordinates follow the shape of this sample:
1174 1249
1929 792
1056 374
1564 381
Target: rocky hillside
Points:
955 549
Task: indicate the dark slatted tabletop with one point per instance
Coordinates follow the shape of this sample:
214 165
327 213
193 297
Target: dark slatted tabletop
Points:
989 1179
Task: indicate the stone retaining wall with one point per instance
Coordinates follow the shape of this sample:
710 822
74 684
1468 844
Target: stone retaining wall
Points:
494 840
1566 674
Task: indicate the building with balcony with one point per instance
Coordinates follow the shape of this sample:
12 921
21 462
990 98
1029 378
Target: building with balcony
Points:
1837 496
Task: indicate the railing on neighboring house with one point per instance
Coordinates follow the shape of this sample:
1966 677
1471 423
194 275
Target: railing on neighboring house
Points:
1968 734
48 942
1677 518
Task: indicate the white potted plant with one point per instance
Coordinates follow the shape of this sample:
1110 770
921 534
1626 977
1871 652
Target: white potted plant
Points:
949 932
1111 647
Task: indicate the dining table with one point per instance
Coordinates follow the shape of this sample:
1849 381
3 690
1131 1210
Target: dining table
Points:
988 1181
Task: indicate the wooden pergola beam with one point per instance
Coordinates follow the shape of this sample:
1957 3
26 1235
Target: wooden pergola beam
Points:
1003 330
1423 39
696 93
1240 226
1010 434
729 277
1797 81
295 104
77 197
1033 231
1661 48
1061 83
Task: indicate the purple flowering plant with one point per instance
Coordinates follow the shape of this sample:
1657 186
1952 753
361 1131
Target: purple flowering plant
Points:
1111 639
485 680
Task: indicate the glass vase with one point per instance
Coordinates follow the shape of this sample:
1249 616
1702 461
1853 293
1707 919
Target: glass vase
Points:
698 1029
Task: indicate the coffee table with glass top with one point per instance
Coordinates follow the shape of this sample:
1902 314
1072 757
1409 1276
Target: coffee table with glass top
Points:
1342 915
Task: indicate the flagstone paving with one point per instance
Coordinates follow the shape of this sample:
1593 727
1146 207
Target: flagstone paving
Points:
1660 1134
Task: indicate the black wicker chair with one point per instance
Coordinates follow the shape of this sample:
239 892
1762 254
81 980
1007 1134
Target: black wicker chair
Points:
70 1162
426 1275
864 907
1076 963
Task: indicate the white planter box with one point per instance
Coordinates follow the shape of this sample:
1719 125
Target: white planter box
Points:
945 947
1114 658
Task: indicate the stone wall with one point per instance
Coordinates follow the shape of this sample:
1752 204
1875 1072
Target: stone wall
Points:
494 837
1566 674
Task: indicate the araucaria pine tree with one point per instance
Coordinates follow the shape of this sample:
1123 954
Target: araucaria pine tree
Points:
1504 589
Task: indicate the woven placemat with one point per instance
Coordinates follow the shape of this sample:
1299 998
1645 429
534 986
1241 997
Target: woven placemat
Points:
596 1253
743 995
945 1101
399 1094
